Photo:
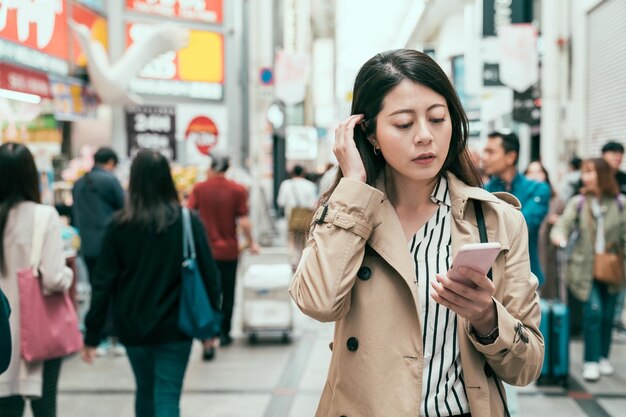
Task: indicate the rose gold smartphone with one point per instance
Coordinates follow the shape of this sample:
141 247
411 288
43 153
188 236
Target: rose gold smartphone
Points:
478 257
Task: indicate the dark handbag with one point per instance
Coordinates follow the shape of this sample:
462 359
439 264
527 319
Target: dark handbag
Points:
608 267
196 318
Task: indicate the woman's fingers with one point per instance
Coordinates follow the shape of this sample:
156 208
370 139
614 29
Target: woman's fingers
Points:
345 149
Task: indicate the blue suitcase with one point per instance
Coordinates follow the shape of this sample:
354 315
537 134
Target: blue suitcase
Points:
555 330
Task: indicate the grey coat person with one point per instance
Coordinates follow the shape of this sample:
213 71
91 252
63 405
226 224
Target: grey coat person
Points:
578 216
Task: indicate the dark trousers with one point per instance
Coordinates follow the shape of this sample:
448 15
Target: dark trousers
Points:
159 372
228 272
109 327
46 406
598 315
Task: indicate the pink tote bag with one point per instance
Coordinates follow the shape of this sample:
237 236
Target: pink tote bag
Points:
48 323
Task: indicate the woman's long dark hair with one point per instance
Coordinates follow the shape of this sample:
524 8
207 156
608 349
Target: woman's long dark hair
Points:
376 78
152 198
19 182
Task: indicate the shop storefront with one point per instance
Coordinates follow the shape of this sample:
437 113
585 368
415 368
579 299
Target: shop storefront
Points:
606 59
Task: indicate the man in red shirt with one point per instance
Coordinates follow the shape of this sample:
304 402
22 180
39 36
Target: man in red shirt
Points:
222 204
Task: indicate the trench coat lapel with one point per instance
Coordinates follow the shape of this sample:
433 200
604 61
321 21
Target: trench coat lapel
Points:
388 241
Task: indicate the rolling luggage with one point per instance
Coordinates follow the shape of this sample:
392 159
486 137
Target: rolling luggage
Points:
555 328
267 307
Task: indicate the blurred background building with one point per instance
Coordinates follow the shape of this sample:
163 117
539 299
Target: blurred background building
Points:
267 80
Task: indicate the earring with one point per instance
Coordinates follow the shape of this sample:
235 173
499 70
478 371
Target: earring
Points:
376 151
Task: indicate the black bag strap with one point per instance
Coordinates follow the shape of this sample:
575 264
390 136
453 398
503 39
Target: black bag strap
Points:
482 229
482 232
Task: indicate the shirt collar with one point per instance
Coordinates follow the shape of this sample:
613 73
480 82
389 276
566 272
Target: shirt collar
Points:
441 193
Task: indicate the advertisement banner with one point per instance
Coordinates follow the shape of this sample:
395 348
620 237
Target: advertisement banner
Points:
96 24
151 127
196 71
209 11
24 81
201 129
35 33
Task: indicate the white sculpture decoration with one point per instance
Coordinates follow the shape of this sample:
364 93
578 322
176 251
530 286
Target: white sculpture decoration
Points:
111 81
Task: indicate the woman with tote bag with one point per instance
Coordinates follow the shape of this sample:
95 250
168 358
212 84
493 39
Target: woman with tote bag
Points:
19 202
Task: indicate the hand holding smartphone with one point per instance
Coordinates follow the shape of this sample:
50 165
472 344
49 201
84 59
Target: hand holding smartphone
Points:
478 257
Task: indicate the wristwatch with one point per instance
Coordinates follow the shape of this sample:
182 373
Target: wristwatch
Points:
489 338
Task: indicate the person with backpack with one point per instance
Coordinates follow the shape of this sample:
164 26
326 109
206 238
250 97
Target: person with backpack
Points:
140 271
593 227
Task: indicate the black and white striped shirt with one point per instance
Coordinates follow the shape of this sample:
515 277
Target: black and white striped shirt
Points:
443 388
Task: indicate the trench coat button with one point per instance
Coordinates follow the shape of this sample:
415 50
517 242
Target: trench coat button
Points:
353 344
364 273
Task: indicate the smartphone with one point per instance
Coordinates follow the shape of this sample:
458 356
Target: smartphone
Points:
478 257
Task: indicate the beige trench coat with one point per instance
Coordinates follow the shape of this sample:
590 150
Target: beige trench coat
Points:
383 375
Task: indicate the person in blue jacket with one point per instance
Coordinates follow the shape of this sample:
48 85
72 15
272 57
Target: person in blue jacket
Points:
499 161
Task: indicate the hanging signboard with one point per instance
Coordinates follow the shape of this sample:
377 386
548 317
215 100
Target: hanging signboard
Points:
25 81
196 71
35 33
519 60
209 11
201 129
499 13
73 99
96 24
151 127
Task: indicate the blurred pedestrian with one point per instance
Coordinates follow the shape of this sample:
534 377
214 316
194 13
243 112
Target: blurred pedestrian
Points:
547 251
140 270
97 196
500 158
613 154
223 205
297 196
408 340
570 185
598 218
19 197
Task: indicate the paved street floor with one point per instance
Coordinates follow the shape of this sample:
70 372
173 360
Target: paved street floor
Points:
273 379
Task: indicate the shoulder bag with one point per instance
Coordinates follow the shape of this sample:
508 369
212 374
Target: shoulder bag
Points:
300 217
48 323
197 318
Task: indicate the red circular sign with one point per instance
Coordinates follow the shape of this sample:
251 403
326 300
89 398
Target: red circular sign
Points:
203 132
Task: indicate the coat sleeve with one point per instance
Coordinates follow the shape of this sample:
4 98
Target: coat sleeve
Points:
55 275
107 272
516 356
327 271
564 227
208 268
